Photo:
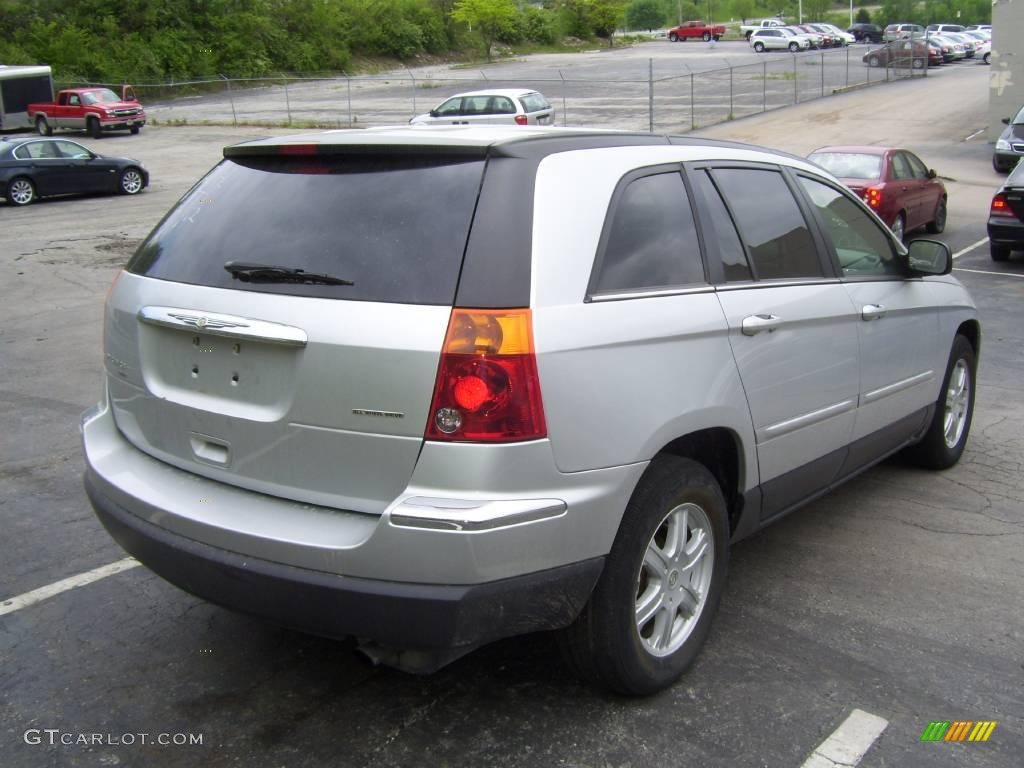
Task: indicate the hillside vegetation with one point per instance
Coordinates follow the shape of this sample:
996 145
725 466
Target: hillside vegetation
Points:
157 40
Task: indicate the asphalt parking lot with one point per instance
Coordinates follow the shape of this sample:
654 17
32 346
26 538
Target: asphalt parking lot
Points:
901 594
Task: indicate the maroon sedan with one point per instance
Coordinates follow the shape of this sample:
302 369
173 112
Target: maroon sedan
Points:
895 184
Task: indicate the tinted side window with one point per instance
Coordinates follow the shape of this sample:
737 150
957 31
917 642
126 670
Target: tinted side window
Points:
900 168
916 166
770 223
719 230
652 239
861 246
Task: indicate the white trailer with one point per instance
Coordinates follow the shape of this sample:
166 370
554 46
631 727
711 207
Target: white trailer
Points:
19 87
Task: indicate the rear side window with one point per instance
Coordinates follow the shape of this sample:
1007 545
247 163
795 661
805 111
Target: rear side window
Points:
395 226
651 240
719 230
770 222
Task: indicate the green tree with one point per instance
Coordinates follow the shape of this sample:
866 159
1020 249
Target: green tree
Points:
646 14
488 18
743 9
604 20
815 10
863 16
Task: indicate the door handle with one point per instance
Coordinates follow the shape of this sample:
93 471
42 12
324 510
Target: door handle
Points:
872 312
753 325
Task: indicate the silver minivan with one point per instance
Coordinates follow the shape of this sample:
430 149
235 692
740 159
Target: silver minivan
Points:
432 387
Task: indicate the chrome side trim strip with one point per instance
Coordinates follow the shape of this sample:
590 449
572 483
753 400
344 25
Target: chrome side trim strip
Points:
597 297
899 386
230 326
791 425
466 516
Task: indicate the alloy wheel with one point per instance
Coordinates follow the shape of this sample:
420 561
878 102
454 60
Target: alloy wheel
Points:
958 397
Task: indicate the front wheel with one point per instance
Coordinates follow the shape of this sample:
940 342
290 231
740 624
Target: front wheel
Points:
673 37
917 63
985 58
21 191
793 47
92 125
651 610
938 224
707 37
134 130
131 181
42 127
759 46
874 61
946 437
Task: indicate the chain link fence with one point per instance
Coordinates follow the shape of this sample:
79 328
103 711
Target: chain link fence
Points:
672 100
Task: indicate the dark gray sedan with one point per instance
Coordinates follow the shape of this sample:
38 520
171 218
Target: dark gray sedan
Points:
36 167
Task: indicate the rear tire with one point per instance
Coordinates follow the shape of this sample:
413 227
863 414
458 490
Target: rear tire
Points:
130 182
673 37
899 227
999 252
42 127
985 57
946 438
874 61
759 46
651 610
21 191
92 125
938 224
707 37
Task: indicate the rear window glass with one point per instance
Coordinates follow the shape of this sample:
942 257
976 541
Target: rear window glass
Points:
394 226
849 165
534 102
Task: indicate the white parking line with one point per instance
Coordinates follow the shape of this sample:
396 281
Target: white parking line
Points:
848 743
36 595
988 272
969 248
976 133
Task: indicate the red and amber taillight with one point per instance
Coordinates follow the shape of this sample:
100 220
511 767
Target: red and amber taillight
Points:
1001 208
873 197
487 387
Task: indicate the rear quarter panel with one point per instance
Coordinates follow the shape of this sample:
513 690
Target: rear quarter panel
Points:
621 379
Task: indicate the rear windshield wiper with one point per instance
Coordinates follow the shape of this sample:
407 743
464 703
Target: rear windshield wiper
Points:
265 273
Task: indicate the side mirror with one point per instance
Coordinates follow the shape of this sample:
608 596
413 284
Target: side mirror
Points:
929 257
433 113
1006 121
931 173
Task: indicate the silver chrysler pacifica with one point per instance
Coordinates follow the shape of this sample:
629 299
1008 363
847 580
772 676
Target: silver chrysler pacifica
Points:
429 387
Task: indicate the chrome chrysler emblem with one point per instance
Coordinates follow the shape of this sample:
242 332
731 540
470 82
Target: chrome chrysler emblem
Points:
201 322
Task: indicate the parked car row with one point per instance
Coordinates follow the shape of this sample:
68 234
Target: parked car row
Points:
798 37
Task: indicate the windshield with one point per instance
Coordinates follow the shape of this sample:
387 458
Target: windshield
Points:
848 165
106 96
1019 119
393 226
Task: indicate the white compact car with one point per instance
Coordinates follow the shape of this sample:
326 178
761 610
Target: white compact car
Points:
508 106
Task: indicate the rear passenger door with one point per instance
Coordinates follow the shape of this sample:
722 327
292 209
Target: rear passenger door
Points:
792 327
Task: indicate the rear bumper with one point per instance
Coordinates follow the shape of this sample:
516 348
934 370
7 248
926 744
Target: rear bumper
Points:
1005 231
396 614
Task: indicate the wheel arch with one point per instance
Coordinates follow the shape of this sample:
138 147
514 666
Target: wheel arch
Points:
971 330
720 449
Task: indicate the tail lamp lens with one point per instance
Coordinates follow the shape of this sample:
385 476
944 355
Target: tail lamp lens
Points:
1000 207
521 120
873 197
487 387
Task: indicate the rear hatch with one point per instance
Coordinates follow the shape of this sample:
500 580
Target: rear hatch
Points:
315 385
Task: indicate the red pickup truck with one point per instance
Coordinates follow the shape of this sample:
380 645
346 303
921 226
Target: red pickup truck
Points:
695 29
94 109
